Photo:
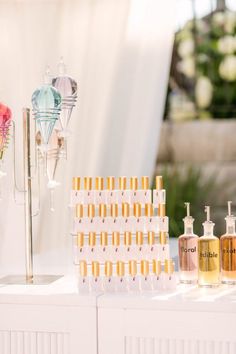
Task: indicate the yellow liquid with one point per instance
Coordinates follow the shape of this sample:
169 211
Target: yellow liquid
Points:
209 261
228 258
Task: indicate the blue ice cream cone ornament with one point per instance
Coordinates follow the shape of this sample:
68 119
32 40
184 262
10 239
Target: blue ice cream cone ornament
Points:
46 102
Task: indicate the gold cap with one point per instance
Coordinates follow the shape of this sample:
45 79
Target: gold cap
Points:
127 238
108 268
102 210
104 238
133 268
169 266
159 182
115 238
139 238
80 239
137 210
125 210
120 268
162 210
144 267
76 183
133 183
91 210
79 211
162 237
145 182
122 183
110 182
151 237
149 209
114 210
87 183
99 183
156 266
92 239
95 269
83 268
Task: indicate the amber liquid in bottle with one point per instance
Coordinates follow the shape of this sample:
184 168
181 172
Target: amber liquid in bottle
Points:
208 255
228 250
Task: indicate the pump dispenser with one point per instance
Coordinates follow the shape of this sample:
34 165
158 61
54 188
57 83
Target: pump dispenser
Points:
228 250
208 255
188 251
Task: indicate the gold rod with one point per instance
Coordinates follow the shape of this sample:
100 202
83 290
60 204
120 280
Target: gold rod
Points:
28 197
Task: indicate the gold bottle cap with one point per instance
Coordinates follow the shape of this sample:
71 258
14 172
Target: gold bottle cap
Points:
134 183
149 210
122 183
108 269
120 268
83 271
144 267
133 268
104 238
80 239
162 210
99 183
95 269
169 266
137 210
110 183
76 183
87 183
92 239
139 238
151 237
156 266
159 182
115 238
125 210
114 210
163 237
102 210
145 182
127 238
79 212
91 210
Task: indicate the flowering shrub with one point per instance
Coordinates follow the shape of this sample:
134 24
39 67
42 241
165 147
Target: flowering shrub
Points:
206 52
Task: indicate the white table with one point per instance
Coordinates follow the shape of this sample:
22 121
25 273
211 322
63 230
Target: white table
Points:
190 321
47 319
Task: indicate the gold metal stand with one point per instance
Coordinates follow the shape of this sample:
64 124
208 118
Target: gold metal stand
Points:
29 277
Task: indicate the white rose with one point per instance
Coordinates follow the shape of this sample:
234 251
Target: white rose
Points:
218 18
187 67
186 48
227 68
202 26
203 92
230 21
226 45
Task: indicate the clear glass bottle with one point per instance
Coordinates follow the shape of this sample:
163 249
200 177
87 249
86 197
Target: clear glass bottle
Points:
123 195
188 251
91 251
139 245
170 280
157 278
111 194
77 196
228 250
108 279
84 280
96 280
145 277
163 246
80 250
208 255
115 247
88 192
103 247
133 189
121 283
133 278
99 195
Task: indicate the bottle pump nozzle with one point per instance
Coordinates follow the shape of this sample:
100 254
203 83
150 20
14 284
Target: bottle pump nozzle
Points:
208 225
188 221
230 220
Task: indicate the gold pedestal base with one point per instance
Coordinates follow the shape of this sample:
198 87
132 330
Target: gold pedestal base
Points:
36 280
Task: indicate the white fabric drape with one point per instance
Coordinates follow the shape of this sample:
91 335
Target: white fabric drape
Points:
119 52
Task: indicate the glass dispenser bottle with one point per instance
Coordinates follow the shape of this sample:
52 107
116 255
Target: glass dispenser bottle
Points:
228 250
188 253
208 255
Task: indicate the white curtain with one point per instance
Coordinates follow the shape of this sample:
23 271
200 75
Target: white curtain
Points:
119 52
